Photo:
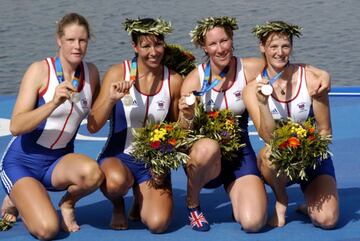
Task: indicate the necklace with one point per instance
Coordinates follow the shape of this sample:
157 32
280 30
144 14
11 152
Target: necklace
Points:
282 90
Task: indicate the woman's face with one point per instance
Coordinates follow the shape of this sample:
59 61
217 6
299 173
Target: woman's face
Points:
150 50
218 46
277 50
73 44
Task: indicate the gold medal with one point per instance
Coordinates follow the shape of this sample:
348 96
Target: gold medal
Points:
127 100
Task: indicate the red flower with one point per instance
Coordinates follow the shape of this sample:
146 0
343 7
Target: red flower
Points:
283 145
213 114
293 142
155 144
172 141
311 138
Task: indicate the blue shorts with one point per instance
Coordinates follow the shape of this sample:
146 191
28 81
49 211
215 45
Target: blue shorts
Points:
17 165
326 167
139 170
245 164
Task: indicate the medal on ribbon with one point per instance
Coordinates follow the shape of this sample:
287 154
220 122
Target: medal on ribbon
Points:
127 99
190 100
208 86
268 89
75 96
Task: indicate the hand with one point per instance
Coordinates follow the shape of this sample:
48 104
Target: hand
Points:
263 99
119 89
322 87
63 92
319 81
186 110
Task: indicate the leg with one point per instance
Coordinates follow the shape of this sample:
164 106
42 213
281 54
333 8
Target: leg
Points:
80 175
118 180
8 210
249 202
204 165
155 206
322 201
35 208
277 184
134 213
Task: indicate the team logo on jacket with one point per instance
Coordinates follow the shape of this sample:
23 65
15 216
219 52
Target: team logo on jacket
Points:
210 103
274 111
302 107
237 95
84 103
161 105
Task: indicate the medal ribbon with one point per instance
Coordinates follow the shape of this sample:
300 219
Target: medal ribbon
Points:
60 75
276 77
133 69
206 86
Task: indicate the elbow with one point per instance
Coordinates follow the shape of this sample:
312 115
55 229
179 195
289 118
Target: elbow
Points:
92 129
92 125
14 130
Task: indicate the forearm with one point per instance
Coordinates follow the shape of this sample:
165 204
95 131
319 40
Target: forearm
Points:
99 115
267 123
25 122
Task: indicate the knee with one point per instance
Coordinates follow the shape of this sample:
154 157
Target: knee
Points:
251 223
205 153
92 176
325 220
117 184
46 230
158 224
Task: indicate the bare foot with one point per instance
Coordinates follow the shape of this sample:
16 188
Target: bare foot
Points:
134 213
278 218
68 223
118 219
302 208
8 210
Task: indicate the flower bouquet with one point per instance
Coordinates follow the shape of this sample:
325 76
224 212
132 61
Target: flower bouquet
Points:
160 147
296 147
221 126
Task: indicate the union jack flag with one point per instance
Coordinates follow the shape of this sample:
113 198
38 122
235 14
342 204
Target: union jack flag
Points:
197 219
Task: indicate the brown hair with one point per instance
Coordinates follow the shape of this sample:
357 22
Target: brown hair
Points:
72 18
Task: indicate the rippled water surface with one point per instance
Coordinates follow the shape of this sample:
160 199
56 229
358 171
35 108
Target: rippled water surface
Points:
330 38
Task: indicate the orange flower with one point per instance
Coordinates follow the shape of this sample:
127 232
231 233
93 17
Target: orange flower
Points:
312 130
293 142
172 141
283 145
169 127
213 114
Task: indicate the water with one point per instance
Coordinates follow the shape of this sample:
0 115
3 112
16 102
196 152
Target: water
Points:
330 37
